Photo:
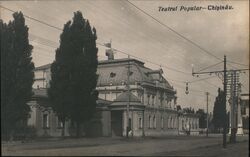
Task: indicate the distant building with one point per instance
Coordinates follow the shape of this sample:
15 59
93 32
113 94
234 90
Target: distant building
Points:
152 105
244 102
188 122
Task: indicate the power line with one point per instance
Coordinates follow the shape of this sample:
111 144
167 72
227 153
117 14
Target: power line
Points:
179 34
212 84
171 29
52 44
193 90
151 63
201 79
160 65
237 63
49 25
237 69
135 57
42 43
244 87
210 66
39 21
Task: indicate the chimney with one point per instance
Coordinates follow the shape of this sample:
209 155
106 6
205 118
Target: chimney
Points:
110 54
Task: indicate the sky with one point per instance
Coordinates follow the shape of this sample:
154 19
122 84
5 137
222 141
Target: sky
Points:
224 32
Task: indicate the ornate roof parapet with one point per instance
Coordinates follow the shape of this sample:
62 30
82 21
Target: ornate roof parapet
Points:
122 101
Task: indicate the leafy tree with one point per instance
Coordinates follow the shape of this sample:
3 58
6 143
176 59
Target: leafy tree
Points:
16 74
219 117
188 110
178 108
202 118
74 78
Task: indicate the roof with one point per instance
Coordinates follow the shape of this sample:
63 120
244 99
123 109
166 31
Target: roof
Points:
122 100
102 101
101 62
124 97
115 72
43 67
41 92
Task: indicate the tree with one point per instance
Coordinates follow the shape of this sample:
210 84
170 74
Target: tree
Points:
218 113
16 74
202 118
74 78
188 110
178 108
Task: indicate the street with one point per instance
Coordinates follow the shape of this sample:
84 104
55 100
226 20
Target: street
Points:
232 150
148 146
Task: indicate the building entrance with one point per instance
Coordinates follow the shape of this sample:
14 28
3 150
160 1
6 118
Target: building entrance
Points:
116 123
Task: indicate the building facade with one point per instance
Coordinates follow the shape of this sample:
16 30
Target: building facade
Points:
244 103
131 97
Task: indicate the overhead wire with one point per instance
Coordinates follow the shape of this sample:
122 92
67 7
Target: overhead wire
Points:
170 68
174 31
209 66
237 63
44 23
201 79
29 17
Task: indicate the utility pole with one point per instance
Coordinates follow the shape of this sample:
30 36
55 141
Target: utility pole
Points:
234 123
225 101
207 93
234 104
224 71
239 118
128 104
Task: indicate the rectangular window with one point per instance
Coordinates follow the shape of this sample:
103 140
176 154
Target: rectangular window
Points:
59 123
153 100
140 123
45 121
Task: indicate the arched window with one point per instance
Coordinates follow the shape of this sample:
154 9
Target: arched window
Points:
183 124
140 122
148 99
162 122
59 123
169 122
153 100
154 121
45 120
149 121
173 123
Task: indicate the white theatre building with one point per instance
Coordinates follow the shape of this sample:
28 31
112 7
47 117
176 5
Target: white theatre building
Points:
151 103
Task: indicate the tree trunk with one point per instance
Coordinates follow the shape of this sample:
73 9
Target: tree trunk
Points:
63 128
11 135
78 129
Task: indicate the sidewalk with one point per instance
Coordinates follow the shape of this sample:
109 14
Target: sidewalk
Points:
105 146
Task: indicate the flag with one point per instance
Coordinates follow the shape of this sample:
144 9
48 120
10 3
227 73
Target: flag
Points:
107 45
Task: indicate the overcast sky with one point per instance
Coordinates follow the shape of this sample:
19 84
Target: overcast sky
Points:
219 32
